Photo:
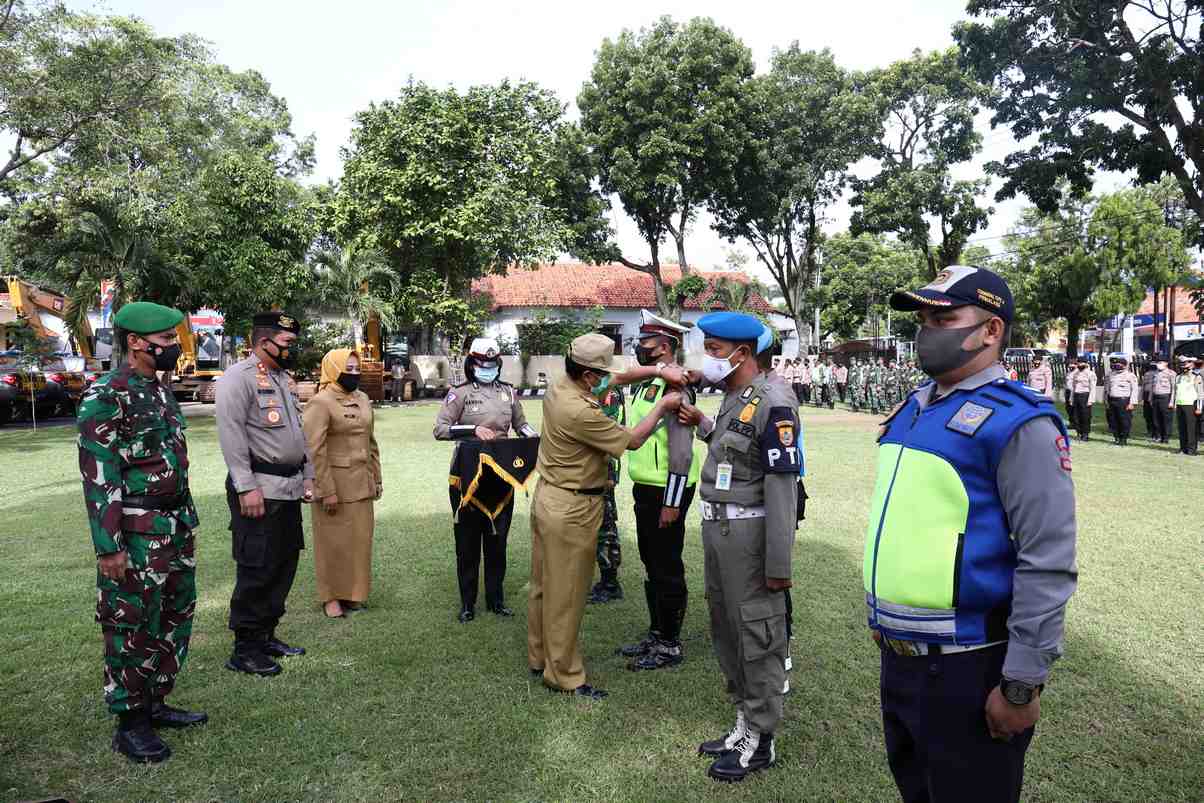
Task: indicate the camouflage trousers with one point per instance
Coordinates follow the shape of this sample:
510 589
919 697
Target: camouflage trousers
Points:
610 554
146 619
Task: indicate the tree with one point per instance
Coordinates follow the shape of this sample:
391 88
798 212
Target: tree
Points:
358 282
65 76
859 274
663 114
1112 84
1090 261
807 121
929 105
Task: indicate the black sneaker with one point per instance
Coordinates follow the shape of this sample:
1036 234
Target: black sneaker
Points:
253 663
755 752
276 648
662 655
598 595
639 648
166 716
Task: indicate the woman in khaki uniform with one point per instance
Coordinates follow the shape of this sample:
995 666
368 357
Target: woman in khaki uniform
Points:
339 430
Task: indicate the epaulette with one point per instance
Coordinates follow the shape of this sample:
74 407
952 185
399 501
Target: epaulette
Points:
1016 390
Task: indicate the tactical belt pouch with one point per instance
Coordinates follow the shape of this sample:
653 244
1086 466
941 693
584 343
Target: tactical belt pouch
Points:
275 469
161 502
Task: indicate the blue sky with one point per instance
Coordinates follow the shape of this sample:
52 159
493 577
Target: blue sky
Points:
330 60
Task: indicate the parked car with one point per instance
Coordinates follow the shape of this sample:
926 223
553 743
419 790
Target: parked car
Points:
16 386
1190 348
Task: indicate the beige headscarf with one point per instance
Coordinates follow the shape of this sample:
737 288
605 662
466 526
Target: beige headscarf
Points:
333 364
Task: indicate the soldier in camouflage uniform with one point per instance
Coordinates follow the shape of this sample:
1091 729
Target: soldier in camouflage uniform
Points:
610 554
856 386
134 461
874 386
833 385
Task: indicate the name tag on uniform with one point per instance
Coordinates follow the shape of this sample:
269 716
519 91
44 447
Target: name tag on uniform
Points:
723 477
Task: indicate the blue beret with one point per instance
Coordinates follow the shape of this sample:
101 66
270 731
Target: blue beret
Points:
765 340
731 326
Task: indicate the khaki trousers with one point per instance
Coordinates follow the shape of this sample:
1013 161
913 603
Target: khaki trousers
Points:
748 622
564 538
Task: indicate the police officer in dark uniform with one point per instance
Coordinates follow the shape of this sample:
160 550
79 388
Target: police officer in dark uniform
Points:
970 553
270 474
484 408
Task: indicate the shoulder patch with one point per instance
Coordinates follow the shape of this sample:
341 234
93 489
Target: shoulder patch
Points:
779 442
747 394
450 397
969 418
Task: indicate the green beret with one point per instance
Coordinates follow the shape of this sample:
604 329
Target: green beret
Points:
146 318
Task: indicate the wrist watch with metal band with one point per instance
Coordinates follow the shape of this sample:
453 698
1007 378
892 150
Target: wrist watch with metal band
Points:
660 366
1017 692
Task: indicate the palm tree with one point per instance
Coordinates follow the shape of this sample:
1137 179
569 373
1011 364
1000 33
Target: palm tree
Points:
733 295
359 282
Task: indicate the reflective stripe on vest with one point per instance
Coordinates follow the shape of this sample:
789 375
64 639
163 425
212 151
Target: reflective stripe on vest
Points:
649 464
938 556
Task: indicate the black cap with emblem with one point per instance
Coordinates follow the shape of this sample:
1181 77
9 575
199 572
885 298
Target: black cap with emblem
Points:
275 319
959 286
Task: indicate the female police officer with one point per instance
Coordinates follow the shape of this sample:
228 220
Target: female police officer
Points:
482 407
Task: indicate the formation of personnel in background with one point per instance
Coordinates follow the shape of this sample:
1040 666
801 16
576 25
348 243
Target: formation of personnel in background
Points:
802 371
1040 378
832 385
270 474
609 553
1081 384
567 505
842 381
1122 389
483 408
1188 402
133 458
1162 388
856 385
664 474
749 490
970 551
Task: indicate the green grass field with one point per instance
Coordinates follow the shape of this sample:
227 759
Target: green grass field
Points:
401 703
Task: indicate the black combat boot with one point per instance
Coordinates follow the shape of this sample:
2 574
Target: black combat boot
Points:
136 739
728 741
598 594
250 656
163 715
610 582
666 652
753 753
467 614
662 654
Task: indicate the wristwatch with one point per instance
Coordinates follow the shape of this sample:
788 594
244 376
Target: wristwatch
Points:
660 366
1017 692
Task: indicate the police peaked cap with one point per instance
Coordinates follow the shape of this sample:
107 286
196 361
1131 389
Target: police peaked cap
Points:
275 319
146 318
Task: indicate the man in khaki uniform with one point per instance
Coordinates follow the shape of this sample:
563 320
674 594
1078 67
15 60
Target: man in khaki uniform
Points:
270 474
1081 382
1041 378
566 508
750 510
1121 389
1162 387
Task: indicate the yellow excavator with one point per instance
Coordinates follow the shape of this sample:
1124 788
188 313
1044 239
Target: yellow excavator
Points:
202 358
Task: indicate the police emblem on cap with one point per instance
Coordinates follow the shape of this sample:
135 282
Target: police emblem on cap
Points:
970 418
491 352
286 322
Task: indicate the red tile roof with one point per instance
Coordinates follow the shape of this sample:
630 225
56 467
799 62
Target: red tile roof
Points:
574 284
1185 312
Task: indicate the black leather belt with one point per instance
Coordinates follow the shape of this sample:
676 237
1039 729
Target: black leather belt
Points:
275 469
582 491
161 502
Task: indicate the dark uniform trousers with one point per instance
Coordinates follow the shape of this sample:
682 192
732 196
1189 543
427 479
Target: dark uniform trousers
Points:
1185 415
1121 417
937 743
1081 415
1147 412
660 550
1162 417
748 621
474 533
265 556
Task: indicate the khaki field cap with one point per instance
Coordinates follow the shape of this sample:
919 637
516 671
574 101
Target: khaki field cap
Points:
595 351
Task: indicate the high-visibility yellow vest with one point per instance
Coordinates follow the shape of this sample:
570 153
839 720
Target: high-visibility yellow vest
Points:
649 464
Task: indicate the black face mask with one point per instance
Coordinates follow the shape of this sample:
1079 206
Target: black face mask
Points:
284 356
165 357
348 382
643 355
940 350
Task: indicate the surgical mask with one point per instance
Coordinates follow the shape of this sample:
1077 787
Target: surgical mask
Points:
601 387
643 355
348 382
717 369
486 375
940 350
165 357
284 356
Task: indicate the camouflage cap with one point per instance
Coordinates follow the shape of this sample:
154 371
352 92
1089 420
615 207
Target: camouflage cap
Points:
146 318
